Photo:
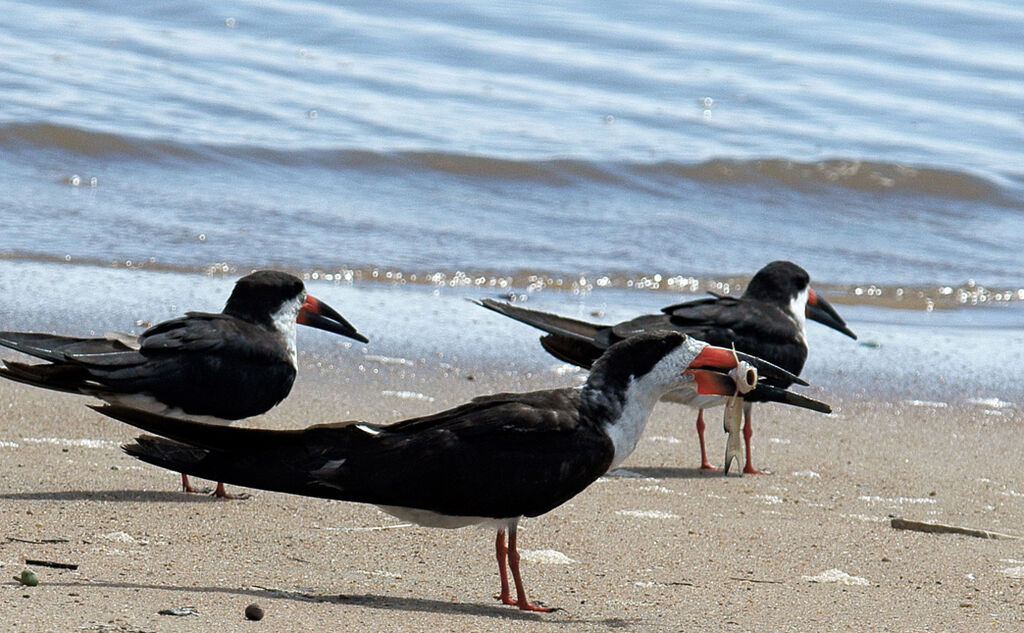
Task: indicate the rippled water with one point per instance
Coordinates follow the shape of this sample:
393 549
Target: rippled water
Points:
875 143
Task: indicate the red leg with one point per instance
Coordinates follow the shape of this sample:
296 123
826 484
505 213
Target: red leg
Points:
704 463
222 493
748 432
513 563
500 552
187 487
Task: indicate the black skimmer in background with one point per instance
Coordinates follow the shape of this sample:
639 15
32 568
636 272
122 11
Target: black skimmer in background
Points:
216 367
491 461
766 322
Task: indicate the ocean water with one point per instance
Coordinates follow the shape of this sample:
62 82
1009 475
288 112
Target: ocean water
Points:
965 355
619 155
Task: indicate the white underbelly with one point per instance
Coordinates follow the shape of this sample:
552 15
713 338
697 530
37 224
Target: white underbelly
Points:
695 400
428 518
152 405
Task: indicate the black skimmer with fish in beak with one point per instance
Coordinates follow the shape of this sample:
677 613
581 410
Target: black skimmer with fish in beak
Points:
767 321
491 461
215 367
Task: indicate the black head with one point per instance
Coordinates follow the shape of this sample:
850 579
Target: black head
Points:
259 295
778 283
632 358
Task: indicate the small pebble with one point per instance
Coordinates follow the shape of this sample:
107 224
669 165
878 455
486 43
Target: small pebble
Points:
29 578
254 612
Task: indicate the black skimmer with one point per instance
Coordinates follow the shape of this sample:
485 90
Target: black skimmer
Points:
217 367
491 461
766 322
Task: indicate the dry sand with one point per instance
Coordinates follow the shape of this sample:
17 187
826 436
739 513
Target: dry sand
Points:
659 546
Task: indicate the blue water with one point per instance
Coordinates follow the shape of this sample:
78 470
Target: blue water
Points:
583 145
955 355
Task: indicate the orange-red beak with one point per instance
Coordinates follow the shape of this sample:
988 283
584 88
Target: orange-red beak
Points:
316 313
722 359
710 371
822 311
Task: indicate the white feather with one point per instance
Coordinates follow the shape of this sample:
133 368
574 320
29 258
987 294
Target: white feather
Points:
643 393
798 311
428 518
284 321
149 403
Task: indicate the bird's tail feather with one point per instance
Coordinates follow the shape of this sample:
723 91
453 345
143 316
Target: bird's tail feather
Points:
550 323
239 468
57 348
201 435
58 377
168 454
570 350
45 346
282 461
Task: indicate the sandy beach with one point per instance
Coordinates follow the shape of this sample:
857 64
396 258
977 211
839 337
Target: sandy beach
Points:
596 160
655 546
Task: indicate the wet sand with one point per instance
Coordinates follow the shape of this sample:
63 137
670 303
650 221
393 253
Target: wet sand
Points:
657 546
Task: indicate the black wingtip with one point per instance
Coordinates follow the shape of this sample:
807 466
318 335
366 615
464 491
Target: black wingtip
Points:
118 412
133 448
490 304
768 393
138 418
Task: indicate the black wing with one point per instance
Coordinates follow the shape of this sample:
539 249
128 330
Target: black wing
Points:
498 456
56 348
204 364
752 327
550 323
569 340
71 360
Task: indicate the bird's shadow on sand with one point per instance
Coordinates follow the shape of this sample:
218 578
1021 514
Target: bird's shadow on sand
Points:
668 472
131 496
373 601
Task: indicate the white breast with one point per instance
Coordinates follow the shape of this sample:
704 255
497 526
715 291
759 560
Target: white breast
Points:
284 322
798 310
643 393
152 405
428 518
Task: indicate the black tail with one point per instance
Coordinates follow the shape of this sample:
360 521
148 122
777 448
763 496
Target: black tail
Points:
169 454
568 340
45 346
572 351
212 437
255 458
59 377
550 323
57 348
76 365
251 469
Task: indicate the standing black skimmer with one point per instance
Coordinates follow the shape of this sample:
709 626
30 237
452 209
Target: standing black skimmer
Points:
491 461
215 367
767 322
